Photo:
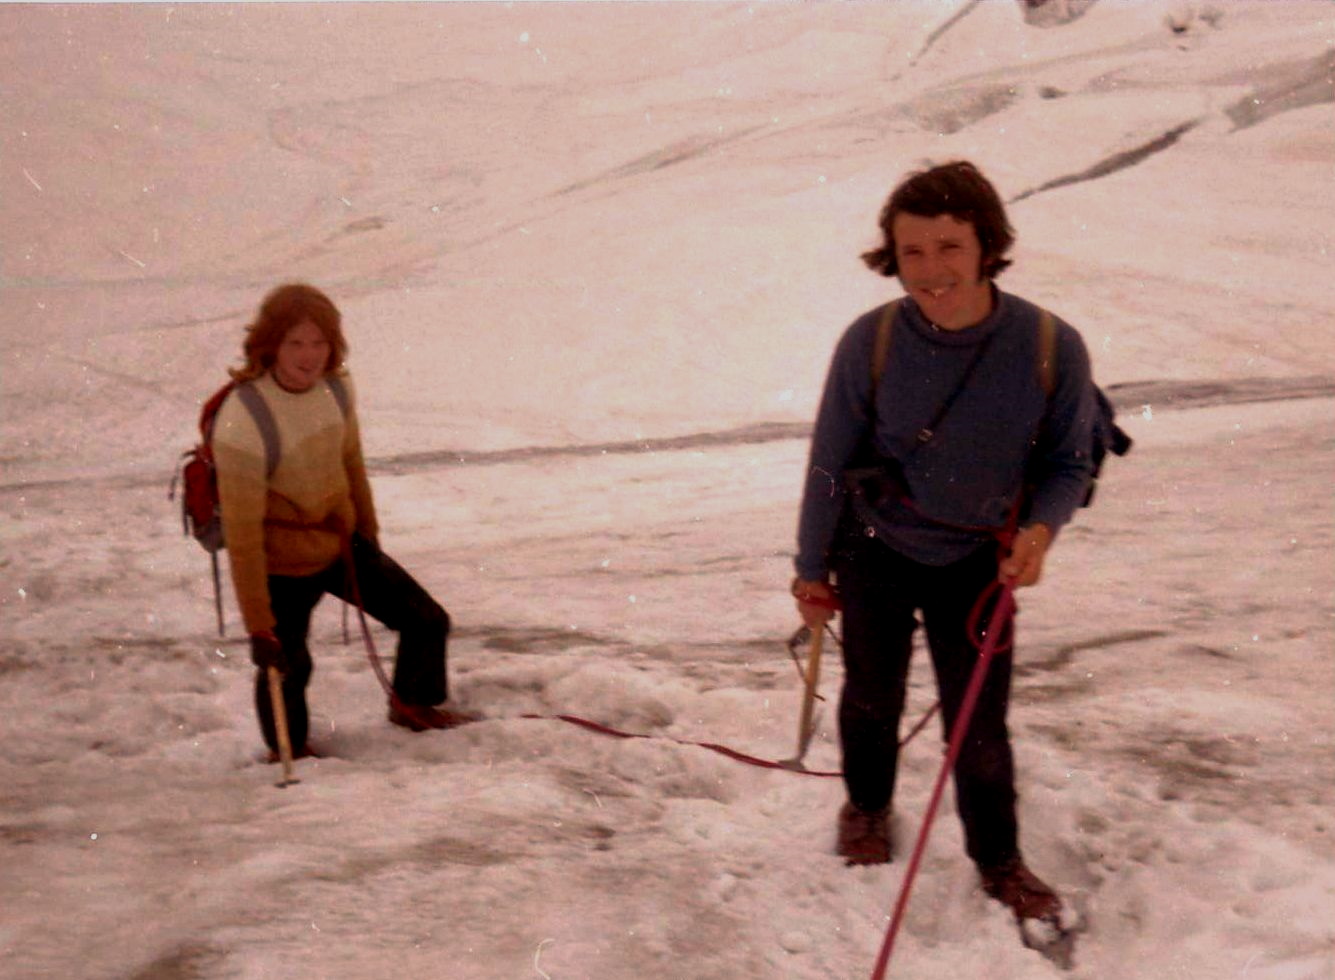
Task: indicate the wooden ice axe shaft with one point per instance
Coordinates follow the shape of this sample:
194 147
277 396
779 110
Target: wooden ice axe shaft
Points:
804 732
280 724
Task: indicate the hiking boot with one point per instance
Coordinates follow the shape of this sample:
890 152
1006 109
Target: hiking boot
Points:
421 717
864 837
1015 886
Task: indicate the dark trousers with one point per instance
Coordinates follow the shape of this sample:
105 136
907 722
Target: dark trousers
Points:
388 594
881 590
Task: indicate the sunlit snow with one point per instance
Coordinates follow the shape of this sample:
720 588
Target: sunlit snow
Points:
593 260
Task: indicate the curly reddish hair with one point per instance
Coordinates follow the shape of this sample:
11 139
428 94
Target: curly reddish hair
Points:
284 308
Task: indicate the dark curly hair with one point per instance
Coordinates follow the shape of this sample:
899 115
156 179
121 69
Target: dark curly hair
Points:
958 189
282 310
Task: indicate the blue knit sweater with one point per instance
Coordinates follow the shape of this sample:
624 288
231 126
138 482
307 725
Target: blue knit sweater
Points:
1001 432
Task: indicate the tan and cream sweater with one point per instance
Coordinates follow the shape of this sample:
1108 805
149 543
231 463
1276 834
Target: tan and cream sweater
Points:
320 482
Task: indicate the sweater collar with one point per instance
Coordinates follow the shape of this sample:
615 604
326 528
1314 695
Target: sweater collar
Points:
967 337
273 376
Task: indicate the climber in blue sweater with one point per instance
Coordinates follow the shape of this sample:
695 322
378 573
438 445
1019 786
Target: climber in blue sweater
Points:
952 443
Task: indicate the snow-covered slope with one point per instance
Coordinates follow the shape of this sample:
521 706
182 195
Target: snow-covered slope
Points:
554 226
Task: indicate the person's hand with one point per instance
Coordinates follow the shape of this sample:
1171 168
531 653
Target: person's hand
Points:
816 603
266 651
1024 565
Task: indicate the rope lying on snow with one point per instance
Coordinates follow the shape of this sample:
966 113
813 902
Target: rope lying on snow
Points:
750 760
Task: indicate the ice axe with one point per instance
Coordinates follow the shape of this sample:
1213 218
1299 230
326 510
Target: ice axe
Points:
809 719
280 727
806 726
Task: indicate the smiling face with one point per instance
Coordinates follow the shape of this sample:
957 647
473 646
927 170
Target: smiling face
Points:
940 264
302 358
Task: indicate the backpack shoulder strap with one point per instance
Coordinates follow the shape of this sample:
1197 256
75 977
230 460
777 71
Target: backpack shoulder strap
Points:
1047 352
881 348
264 421
209 410
339 390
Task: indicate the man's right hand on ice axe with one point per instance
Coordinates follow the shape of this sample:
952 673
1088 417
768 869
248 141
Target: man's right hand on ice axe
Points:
816 602
266 651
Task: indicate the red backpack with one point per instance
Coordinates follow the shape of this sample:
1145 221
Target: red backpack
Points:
201 513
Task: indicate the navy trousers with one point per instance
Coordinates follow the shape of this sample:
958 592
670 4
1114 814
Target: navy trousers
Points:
388 594
881 591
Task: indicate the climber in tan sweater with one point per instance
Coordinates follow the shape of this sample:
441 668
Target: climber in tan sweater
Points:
300 520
